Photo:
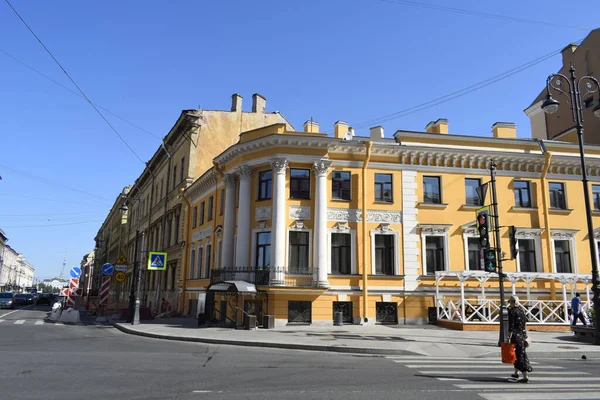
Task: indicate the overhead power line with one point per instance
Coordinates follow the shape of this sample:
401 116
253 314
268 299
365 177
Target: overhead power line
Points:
49 182
51 225
60 200
74 83
482 14
458 93
42 214
77 94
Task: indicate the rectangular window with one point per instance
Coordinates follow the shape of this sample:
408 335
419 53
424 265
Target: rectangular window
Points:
340 181
471 197
192 263
562 255
200 265
181 169
263 249
265 185
434 247
474 254
174 176
527 257
383 188
299 183
222 205
596 197
210 208
341 252
431 190
208 259
168 234
195 217
299 251
384 254
299 312
557 195
162 184
176 228
201 213
522 193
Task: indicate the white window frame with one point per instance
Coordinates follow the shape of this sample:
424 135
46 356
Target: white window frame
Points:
218 252
199 270
568 235
253 249
192 263
352 232
439 231
469 232
385 230
310 246
535 235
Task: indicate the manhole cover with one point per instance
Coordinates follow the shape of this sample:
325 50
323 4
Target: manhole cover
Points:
568 347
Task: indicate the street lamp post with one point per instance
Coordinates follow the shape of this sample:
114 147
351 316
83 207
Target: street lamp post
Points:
133 312
550 105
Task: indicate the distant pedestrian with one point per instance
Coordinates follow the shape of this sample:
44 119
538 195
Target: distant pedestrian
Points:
577 310
517 321
164 306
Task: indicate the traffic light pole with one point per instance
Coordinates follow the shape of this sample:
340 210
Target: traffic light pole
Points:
498 247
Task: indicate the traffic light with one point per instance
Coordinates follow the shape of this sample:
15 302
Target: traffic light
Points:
489 260
483 227
512 235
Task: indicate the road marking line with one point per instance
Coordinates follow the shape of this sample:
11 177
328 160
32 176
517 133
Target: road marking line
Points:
19 322
538 396
39 323
520 386
14 311
500 371
477 366
472 362
202 391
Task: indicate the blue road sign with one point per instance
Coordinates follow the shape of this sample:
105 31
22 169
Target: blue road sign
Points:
75 272
157 261
107 269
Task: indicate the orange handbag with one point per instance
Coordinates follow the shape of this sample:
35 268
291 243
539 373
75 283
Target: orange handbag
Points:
508 353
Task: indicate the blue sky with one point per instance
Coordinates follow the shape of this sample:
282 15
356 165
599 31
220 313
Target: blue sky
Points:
353 60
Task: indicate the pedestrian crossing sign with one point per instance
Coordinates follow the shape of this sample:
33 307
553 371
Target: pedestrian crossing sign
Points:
157 261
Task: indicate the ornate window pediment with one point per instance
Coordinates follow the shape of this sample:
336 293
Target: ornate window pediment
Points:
564 233
469 228
528 233
434 229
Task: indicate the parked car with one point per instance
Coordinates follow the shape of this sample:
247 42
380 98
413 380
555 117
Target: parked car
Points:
6 300
24 299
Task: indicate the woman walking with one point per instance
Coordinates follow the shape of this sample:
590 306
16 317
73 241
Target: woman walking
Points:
517 333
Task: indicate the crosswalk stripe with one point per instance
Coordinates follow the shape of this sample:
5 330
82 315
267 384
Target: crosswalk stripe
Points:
413 358
39 323
519 386
19 321
499 371
457 366
539 378
473 362
539 396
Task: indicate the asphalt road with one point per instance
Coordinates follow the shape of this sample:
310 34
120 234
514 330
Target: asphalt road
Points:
43 360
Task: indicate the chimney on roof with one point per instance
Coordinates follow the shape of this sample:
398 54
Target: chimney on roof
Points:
311 126
567 53
236 102
259 103
340 129
439 126
376 132
506 130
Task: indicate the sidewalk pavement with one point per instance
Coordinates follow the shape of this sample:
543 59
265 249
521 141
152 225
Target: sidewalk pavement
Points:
424 340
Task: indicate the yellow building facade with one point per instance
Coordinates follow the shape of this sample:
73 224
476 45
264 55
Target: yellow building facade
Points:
300 225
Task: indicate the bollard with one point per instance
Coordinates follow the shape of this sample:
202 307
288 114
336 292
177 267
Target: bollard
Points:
338 318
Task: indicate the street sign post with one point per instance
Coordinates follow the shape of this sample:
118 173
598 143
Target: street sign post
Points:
107 269
157 261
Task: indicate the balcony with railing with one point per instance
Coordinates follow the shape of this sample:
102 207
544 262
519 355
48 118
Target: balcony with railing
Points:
266 276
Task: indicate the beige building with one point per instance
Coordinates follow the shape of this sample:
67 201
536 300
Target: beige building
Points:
155 208
560 125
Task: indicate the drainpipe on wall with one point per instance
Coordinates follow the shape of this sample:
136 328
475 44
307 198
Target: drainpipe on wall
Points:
187 249
546 205
368 146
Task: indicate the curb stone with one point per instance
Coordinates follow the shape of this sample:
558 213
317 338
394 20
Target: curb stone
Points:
309 347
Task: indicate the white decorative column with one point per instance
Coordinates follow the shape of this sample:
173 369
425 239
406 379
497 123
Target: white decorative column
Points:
242 248
229 226
321 168
278 251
